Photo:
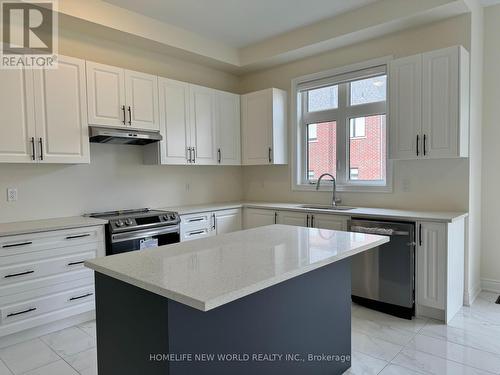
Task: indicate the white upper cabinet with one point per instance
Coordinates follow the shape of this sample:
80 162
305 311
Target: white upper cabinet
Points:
141 96
45 114
228 128
174 121
60 112
199 126
18 137
405 96
264 127
429 105
121 98
202 125
106 95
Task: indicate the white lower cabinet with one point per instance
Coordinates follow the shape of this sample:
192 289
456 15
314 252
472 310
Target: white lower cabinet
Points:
439 269
253 217
259 217
43 279
332 222
207 224
293 218
227 221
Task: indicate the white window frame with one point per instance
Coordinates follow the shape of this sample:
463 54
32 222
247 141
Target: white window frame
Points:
299 139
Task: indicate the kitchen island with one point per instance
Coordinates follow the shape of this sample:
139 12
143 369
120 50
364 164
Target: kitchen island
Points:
268 300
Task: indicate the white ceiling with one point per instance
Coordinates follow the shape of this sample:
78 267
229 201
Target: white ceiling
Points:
239 23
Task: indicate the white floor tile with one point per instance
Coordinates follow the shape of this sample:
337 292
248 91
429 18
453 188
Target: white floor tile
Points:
27 356
398 370
69 341
373 346
89 328
456 352
420 361
414 325
382 330
362 364
55 368
4 370
85 362
477 337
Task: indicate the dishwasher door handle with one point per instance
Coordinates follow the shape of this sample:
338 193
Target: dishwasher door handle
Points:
380 231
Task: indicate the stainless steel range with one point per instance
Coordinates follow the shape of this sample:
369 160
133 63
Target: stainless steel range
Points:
131 230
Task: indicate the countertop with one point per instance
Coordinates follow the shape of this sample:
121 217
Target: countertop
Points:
36 226
210 272
385 213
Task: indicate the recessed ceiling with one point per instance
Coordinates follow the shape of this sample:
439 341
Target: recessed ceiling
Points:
239 23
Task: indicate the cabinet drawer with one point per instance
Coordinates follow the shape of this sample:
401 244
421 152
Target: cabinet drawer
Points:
197 233
28 309
43 267
204 220
33 242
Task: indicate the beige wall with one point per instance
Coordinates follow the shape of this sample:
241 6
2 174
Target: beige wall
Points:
432 184
116 177
490 262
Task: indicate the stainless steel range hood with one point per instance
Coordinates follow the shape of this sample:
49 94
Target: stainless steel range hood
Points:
123 136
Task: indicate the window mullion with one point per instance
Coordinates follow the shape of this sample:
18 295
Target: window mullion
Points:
342 134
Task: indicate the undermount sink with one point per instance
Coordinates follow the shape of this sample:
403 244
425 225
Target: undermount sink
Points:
326 207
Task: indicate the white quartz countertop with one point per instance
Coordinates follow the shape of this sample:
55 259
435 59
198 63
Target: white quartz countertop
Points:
385 213
214 271
35 226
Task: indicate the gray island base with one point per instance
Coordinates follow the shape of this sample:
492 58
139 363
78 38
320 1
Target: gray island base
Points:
300 326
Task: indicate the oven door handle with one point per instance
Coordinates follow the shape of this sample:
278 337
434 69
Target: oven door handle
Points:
138 234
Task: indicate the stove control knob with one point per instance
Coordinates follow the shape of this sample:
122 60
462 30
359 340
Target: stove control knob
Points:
129 222
165 217
119 223
172 216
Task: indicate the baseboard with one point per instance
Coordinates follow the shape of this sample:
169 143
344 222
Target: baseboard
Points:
490 285
58 325
471 296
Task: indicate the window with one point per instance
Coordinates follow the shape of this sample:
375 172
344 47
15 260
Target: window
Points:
357 127
354 173
341 129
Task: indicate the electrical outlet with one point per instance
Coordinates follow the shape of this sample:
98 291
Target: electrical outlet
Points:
11 194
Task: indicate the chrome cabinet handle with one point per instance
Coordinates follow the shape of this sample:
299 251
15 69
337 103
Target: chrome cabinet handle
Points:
270 155
21 312
213 223
194 154
19 274
40 141
219 156
195 233
307 221
312 221
78 236
275 218
17 244
33 154
425 144
197 219
418 141
188 153
124 116
420 234
129 116
80 297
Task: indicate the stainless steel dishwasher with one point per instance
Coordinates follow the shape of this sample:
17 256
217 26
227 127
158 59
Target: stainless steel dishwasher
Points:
383 278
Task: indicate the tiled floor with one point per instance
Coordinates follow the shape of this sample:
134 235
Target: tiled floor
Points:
381 344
